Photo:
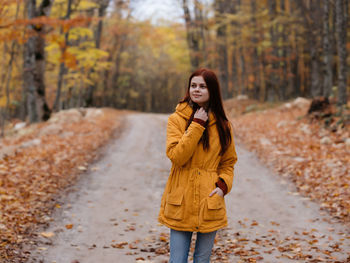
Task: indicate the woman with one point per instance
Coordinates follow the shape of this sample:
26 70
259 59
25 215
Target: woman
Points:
201 148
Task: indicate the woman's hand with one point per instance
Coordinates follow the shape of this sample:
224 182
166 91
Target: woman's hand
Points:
201 114
217 191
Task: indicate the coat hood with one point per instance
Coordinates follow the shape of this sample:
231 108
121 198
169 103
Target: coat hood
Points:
185 111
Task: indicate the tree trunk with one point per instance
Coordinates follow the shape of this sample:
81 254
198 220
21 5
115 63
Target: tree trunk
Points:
5 80
255 66
289 41
272 87
7 113
283 55
199 20
238 60
262 66
57 106
341 49
29 66
315 72
234 55
192 36
101 13
315 33
24 107
243 69
234 71
106 100
34 65
2 65
89 100
2 123
9 76
220 7
116 93
327 51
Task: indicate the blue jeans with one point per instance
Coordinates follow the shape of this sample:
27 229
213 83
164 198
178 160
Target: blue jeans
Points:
180 242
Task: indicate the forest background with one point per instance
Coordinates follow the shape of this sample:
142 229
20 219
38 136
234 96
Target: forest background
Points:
81 53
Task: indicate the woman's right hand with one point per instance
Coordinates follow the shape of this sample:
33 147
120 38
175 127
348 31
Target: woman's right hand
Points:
201 114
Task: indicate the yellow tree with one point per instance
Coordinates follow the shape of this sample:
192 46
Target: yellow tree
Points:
9 37
73 53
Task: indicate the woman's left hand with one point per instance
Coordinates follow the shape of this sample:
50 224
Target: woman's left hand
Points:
218 191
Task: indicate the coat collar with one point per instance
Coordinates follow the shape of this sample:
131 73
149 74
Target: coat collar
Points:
185 111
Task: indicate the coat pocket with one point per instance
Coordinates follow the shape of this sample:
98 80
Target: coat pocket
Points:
215 208
174 208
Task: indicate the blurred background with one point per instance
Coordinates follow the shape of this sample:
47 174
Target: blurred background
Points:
138 54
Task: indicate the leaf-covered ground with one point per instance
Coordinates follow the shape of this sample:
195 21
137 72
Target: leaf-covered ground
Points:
249 244
315 156
39 161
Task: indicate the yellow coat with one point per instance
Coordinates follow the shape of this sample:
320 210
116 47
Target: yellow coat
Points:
186 205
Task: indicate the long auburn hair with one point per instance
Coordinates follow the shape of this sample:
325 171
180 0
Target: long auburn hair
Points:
215 105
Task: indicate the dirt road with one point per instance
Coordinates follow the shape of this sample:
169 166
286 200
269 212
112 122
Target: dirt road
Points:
112 215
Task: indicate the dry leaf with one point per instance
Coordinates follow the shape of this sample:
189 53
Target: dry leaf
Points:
119 245
69 226
47 234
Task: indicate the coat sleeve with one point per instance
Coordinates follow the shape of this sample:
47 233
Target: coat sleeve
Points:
181 146
226 165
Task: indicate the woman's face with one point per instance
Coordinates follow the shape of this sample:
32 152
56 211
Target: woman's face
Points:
199 92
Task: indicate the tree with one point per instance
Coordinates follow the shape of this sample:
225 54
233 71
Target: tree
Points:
327 50
341 30
102 6
315 43
255 42
221 33
6 77
62 69
195 32
273 85
34 63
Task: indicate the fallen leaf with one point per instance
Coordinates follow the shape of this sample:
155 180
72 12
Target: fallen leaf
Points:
69 226
47 234
119 245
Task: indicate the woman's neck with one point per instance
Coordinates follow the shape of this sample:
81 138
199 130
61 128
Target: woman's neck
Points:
205 106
